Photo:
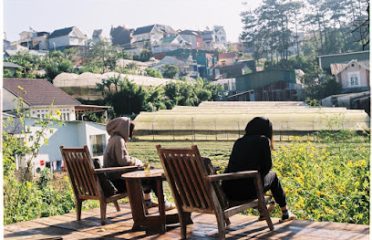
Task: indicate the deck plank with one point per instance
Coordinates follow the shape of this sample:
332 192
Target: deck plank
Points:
119 226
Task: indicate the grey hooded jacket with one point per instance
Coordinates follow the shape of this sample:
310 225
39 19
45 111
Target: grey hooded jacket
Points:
116 153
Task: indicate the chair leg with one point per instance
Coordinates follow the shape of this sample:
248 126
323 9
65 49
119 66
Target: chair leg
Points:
227 221
117 206
183 223
221 226
78 206
103 206
264 212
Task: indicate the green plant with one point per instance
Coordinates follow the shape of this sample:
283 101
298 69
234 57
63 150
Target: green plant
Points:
25 197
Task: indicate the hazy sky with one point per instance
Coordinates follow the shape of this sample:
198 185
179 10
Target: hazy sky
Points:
47 15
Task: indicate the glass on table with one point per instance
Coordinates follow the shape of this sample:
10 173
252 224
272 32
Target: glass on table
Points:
146 167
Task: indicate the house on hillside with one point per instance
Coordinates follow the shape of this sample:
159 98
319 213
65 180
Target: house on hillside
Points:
170 43
220 36
97 36
231 68
193 37
227 58
34 40
273 85
203 59
187 67
353 76
208 39
325 61
67 37
42 99
145 37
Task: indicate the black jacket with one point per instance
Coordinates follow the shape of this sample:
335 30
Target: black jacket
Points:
249 153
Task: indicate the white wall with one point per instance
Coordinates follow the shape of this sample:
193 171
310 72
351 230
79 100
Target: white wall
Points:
191 39
9 100
72 134
57 42
95 129
67 112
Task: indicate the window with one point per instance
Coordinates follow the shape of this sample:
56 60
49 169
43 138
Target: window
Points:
98 144
354 79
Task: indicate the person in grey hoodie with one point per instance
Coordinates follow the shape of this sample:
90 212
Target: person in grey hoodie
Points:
116 155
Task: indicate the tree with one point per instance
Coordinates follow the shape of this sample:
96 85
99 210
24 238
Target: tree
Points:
153 73
102 56
120 36
30 64
327 86
128 100
56 63
170 71
267 29
362 27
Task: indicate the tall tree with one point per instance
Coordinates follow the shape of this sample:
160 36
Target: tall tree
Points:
120 36
268 29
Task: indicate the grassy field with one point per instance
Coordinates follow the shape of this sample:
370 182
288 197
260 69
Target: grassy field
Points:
324 181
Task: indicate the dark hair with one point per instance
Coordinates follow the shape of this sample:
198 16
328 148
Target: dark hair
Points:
260 126
131 128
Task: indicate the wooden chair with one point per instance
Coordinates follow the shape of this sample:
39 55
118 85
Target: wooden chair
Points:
85 181
194 190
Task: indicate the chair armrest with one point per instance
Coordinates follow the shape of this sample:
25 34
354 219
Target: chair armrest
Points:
116 169
234 175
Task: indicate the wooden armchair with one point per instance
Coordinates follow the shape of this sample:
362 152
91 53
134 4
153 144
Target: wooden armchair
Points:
196 191
85 181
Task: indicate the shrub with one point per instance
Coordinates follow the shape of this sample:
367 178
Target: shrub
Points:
330 183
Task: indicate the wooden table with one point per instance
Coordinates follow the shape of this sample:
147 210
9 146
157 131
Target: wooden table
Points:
141 218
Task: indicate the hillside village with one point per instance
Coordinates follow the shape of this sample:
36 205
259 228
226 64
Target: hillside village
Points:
300 66
201 65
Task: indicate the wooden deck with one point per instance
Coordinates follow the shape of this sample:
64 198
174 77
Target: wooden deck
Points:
119 227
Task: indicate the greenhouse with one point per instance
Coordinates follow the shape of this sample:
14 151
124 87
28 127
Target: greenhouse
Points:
230 118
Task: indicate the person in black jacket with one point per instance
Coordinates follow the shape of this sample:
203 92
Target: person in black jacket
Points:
253 152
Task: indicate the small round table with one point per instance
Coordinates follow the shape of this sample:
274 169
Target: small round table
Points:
141 218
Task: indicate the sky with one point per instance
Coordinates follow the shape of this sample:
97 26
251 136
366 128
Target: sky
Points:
87 15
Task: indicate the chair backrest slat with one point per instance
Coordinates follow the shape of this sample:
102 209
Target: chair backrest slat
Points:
186 174
180 179
173 174
86 173
196 188
200 173
81 171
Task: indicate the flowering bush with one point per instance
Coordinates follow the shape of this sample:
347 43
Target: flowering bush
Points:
325 182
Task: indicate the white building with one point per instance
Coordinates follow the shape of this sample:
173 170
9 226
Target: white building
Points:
67 37
67 134
145 37
192 37
170 43
353 76
219 35
40 97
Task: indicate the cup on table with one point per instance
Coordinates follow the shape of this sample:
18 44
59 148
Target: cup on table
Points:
146 167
